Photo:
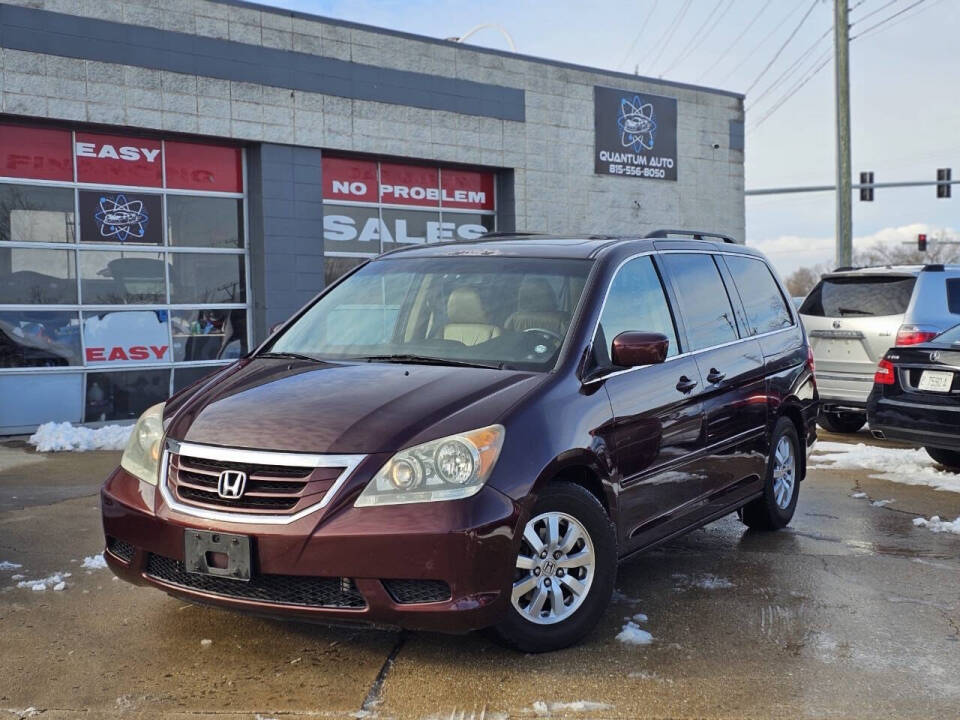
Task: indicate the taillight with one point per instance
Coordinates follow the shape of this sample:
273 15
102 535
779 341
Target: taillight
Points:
915 334
884 374
810 364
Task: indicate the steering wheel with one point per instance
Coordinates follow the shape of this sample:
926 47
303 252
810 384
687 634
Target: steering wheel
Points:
541 350
551 333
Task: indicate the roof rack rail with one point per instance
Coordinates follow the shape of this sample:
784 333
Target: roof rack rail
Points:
933 267
844 268
497 234
693 234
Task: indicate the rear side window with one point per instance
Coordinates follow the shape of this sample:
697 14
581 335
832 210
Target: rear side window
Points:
702 297
761 297
636 301
859 296
953 295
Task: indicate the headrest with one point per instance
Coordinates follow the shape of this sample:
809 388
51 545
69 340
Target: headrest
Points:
536 295
465 306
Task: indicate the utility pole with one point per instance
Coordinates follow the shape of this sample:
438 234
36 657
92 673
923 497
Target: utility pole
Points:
841 61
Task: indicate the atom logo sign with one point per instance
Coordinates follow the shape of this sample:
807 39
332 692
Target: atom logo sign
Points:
638 127
119 218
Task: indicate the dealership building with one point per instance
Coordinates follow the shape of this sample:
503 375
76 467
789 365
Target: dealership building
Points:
176 176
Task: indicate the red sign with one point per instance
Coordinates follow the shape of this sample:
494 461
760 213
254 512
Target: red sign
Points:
409 185
467 189
191 166
119 352
117 160
345 179
36 153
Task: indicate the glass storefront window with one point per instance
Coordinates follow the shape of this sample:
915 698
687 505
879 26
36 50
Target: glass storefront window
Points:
204 221
39 338
206 278
209 334
126 337
124 395
37 275
122 278
409 227
351 228
30 213
186 376
336 267
465 226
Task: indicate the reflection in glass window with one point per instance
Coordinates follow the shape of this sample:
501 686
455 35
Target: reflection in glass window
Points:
124 395
636 302
204 221
29 213
702 297
209 334
762 300
126 337
335 267
464 226
31 338
410 227
206 278
185 376
347 228
29 275
119 278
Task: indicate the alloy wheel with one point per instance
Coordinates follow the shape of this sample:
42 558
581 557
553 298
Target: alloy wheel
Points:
784 473
554 569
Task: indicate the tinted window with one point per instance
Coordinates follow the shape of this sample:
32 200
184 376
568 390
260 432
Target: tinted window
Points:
859 296
762 300
204 221
117 278
702 296
636 301
30 338
208 278
953 296
35 275
36 214
124 395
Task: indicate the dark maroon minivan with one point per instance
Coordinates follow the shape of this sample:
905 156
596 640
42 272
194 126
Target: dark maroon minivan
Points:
472 435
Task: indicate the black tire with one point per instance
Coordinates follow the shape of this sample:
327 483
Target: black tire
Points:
950 459
520 633
842 421
765 513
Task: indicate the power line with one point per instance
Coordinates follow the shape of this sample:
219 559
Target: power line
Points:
873 12
691 45
825 58
791 69
643 26
766 37
785 43
888 19
664 40
732 45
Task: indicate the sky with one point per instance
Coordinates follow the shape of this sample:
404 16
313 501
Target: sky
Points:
904 77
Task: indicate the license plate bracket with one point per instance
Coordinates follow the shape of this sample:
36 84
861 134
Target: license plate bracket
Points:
215 553
935 381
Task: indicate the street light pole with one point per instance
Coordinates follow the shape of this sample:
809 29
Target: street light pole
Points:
841 60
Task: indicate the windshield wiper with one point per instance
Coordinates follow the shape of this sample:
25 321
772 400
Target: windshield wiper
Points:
289 356
427 360
852 311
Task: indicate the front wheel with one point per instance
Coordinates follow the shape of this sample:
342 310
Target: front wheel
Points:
563 573
774 509
950 459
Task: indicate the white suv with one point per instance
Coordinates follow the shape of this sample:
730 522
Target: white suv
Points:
853 316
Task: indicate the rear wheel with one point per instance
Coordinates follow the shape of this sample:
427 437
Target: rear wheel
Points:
950 459
564 571
774 509
842 421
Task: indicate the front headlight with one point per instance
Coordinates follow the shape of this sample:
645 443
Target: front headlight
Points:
450 468
142 454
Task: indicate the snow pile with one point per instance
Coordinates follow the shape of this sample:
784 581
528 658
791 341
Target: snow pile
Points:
935 524
57 581
55 437
7 565
633 634
94 562
909 467
544 709
858 495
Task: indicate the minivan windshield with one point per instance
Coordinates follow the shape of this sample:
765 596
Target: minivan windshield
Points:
859 296
500 312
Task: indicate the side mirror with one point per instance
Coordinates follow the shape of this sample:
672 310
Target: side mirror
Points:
630 349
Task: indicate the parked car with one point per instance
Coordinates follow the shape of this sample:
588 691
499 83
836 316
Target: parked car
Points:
916 397
471 435
853 316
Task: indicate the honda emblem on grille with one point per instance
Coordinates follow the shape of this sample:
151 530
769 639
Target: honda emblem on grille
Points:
231 484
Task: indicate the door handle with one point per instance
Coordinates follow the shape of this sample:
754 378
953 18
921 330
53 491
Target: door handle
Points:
715 376
685 384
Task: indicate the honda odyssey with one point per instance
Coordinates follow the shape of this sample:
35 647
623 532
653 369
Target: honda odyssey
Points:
473 435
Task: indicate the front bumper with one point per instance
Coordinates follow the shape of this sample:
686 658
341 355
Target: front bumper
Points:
467 544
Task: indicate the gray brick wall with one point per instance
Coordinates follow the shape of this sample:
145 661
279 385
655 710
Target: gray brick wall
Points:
554 187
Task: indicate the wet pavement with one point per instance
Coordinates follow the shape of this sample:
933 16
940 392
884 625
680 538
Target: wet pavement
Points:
850 612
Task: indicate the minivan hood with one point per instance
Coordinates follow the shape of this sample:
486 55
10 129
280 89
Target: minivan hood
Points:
301 406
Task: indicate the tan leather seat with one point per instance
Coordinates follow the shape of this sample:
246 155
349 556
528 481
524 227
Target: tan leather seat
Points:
537 308
467 321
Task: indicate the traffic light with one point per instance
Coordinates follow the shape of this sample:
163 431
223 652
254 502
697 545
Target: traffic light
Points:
943 182
866 193
922 242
